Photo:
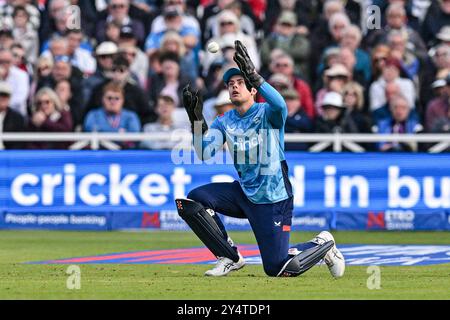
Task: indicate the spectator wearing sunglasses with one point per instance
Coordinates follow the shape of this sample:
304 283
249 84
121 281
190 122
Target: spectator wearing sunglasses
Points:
49 115
111 116
135 98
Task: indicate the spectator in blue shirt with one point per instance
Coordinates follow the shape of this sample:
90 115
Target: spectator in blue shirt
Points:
112 117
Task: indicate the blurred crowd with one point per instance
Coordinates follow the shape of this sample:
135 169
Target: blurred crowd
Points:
349 66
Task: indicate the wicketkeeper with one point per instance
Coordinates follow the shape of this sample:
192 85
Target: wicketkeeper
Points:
254 133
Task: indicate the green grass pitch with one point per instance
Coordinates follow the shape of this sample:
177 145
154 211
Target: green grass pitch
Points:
121 281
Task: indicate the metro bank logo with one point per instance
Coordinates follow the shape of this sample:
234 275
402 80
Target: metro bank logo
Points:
150 220
375 220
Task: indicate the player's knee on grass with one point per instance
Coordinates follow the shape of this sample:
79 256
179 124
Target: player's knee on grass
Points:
272 268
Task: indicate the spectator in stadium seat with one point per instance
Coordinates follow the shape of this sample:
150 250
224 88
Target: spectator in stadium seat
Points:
63 89
173 42
165 108
438 108
6 38
379 54
20 59
229 25
111 116
348 59
49 115
284 64
390 73
297 120
63 70
173 20
160 23
170 80
330 33
118 11
335 118
351 40
286 37
396 19
25 34
135 98
353 99
438 16
247 23
10 120
7 14
334 80
397 41
128 47
400 123
17 79
105 54
80 57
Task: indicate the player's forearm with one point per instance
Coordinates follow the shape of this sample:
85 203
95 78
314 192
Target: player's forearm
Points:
272 97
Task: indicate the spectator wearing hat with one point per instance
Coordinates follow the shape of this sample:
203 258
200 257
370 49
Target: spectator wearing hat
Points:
334 118
401 122
438 108
437 17
286 37
297 120
334 80
104 54
390 73
10 120
170 80
128 46
284 64
17 79
111 116
229 26
119 12
166 111
49 115
134 97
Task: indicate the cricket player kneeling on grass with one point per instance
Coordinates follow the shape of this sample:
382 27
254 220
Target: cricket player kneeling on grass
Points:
263 194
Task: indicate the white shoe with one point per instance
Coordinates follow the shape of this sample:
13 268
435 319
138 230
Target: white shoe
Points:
224 266
334 258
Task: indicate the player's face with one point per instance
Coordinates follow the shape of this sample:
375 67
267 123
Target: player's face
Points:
238 90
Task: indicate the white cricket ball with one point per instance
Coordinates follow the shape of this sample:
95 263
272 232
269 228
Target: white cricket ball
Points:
213 47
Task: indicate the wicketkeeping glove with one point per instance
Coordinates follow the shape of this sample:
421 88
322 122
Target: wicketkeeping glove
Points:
193 103
246 65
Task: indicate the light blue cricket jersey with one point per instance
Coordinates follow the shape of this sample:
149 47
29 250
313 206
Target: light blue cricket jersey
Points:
256 143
